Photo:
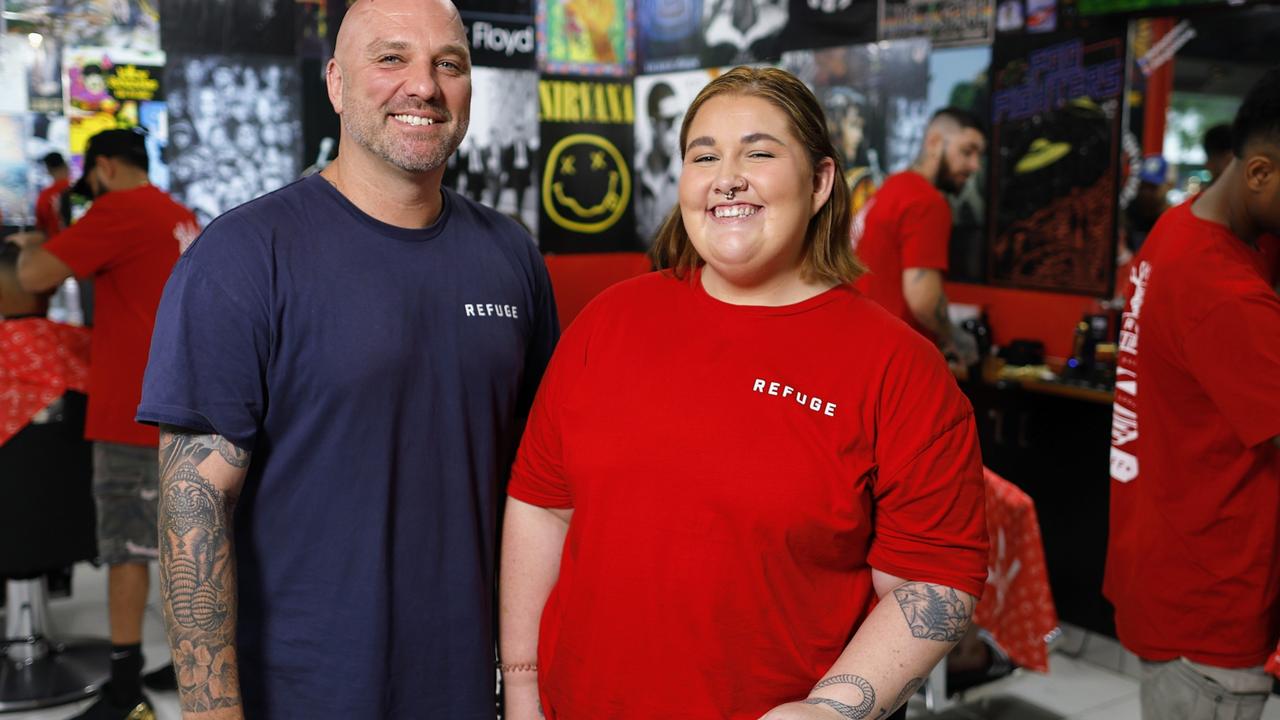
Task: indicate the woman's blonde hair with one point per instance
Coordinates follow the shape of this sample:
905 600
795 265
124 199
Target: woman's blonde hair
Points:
828 254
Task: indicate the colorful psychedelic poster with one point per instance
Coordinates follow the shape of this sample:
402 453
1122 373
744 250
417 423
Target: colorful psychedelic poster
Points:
874 96
738 32
587 131
1056 138
586 37
16 199
829 23
106 89
668 35
946 23
958 78
497 163
661 104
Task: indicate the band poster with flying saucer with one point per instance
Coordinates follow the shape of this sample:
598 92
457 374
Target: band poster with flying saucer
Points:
586 191
1056 135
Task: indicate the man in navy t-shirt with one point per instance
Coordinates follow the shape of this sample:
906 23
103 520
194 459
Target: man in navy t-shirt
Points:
340 369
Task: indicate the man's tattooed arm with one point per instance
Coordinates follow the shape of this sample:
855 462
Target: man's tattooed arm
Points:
200 479
934 612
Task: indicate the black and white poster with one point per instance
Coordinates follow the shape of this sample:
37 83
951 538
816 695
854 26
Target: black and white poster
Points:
497 163
737 32
228 26
661 101
830 23
234 130
504 40
874 96
587 146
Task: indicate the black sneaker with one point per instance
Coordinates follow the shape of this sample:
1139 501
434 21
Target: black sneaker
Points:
106 709
163 679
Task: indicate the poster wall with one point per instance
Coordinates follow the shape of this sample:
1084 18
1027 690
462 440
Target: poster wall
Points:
497 163
661 101
234 131
587 199
1056 131
874 96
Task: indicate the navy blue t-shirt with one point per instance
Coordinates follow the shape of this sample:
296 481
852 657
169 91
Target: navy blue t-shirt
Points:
379 376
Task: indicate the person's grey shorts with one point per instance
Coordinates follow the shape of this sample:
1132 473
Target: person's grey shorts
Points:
126 487
1183 689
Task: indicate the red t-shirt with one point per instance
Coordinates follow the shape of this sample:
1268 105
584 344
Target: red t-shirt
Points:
735 473
1193 560
47 218
906 224
128 241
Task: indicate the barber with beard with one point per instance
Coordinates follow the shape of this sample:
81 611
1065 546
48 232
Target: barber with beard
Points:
903 232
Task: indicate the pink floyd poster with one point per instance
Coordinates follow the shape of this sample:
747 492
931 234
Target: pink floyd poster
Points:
1056 134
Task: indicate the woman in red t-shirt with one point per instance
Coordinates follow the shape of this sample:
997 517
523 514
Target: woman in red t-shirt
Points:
745 490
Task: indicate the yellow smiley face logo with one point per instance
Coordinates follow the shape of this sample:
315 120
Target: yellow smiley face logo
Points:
587 184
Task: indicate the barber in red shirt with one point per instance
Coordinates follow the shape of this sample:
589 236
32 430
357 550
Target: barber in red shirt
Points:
48 219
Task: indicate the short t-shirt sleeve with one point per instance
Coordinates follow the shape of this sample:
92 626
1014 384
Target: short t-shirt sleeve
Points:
1234 352
538 476
211 344
93 241
925 229
930 515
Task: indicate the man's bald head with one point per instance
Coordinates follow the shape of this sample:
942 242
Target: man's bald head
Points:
371 16
401 81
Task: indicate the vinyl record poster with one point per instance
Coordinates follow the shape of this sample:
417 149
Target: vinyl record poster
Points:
587 192
668 35
661 101
234 129
1056 132
497 163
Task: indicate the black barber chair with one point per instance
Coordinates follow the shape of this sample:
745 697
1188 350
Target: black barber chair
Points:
46 523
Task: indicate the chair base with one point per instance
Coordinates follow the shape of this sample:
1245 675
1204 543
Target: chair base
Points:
67 672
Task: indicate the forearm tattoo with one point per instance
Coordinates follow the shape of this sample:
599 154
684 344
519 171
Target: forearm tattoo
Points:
197 571
934 612
858 712
910 689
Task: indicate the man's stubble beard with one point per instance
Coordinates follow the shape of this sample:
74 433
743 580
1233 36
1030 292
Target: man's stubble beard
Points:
364 129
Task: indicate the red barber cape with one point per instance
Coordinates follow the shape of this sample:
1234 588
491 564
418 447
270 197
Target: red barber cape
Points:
39 361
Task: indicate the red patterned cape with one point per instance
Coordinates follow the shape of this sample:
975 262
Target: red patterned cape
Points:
39 361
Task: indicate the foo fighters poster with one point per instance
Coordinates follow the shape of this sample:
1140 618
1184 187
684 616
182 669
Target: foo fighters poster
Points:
586 179
1056 133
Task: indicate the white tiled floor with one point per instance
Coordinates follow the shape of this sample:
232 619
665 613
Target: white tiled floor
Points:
1078 686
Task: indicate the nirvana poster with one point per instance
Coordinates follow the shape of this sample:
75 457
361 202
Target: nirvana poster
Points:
586 179
1056 131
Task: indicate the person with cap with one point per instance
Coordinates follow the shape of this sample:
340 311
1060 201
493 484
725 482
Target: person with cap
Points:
903 233
128 241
